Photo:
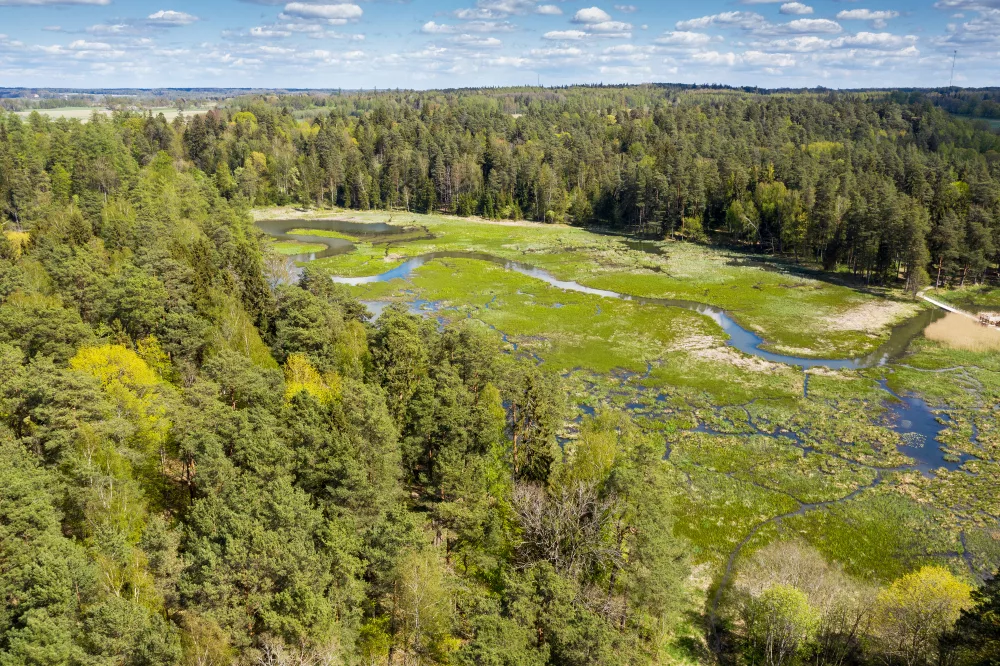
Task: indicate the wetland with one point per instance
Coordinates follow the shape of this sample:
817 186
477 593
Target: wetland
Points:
788 406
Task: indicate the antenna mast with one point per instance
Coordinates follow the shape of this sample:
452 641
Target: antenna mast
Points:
951 83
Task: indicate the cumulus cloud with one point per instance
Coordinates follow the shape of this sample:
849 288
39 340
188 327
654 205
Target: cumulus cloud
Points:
812 25
499 9
597 23
558 52
84 45
745 20
610 26
111 29
432 28
478 41
795 8
337 12
592 15
879 19
627 9
269 32
561 35
714 58
865 15
171 18
548 10
870 41
684 38
772 63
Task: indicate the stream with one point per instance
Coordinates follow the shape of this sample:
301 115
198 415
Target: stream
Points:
907 415
740 338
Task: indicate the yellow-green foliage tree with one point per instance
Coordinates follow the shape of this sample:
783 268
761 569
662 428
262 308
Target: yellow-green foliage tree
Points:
780 625
915 611
135 389
120 461
301 376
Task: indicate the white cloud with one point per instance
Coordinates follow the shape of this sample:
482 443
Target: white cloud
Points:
627 9
432 28
874 40
498 9
478 41
592 15
610 26
337 12
714 58
268 32
548 10
111 29
745 20
813 25
84 45
796 8
866 15
171 18
684 38
562 52
769 62
868 41
760 59
565 35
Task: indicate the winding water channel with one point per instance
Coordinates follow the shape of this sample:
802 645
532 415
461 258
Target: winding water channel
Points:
740 338
909 416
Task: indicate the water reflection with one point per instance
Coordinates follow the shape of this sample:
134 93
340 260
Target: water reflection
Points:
739 337
914 420
278 229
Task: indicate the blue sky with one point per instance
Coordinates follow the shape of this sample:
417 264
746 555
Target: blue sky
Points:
449 43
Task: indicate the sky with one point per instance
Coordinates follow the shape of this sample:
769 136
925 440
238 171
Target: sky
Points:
468 43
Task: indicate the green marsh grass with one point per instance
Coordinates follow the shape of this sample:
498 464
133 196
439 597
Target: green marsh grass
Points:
670 369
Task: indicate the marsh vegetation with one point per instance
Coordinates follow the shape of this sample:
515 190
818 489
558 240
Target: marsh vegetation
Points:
845 460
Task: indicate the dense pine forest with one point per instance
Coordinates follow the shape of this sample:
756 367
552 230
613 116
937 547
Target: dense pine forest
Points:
887 186
202 466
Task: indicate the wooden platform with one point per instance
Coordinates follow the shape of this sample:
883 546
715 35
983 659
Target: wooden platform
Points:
990 319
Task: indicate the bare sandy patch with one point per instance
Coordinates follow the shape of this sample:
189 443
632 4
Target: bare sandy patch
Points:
820 371
732 357
694 343
803 352
960 332
871 317
292 213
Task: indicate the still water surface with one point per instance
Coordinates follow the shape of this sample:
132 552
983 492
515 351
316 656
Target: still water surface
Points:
740 338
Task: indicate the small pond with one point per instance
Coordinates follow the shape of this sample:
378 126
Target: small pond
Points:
914 420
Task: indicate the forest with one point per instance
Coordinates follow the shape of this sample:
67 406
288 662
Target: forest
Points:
201 465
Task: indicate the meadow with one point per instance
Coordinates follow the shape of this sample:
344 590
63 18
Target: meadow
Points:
759 450
794 312
84 113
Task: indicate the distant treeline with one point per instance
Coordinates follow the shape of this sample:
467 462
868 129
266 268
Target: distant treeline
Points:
974 103
887 184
